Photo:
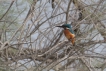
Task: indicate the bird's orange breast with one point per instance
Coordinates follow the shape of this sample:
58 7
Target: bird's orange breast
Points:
68 34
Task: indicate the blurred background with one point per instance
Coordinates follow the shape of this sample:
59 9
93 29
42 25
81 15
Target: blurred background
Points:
30 40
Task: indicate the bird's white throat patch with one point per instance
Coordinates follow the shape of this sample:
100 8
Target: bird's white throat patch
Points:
67 28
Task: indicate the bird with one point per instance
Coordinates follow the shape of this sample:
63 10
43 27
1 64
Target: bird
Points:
68 32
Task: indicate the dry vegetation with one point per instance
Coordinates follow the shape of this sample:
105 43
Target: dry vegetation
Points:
31 42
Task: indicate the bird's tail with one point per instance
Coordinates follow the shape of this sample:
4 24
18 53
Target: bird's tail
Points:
73 41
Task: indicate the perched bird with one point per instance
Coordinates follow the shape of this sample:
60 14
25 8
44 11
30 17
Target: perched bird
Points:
69 33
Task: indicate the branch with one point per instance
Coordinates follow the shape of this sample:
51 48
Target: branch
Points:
68 11
7 10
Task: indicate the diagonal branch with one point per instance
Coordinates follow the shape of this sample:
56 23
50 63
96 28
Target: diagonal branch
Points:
7 10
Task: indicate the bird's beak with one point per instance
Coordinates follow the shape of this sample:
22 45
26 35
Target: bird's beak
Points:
60 26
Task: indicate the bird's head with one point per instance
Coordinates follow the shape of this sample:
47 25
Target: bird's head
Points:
67 26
